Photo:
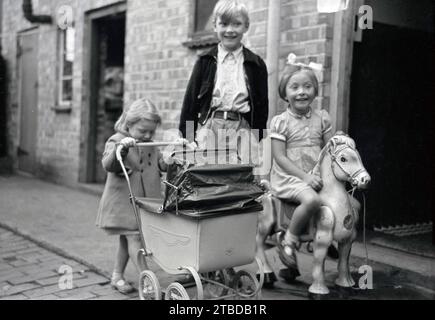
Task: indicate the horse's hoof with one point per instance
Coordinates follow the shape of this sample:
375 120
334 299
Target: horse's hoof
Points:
269 280
317 297
289 275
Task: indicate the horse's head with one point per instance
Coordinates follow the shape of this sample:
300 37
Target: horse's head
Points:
346 161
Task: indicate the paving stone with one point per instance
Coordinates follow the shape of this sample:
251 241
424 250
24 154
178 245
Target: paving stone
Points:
48 281
7 235
21 263
73 292
19 289
8 274
26 251
13 249
113 296
5 266
42 291
10 243
32 278
31 269
54 264
101 290
14 297
47 297
56 277
92 279
81 296
32 254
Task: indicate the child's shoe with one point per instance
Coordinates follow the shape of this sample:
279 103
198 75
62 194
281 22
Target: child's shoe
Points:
121 285
287 253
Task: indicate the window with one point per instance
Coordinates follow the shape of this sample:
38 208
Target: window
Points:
204 16
202 34
66 59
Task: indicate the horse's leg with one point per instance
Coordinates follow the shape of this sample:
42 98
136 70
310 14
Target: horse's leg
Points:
344 277
266 222
322 240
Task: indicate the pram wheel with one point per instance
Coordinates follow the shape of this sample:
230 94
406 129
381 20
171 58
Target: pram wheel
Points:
149 286
220 277
246 284
176 291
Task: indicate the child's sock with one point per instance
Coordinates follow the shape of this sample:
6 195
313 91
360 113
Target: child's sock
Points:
291 238
117 275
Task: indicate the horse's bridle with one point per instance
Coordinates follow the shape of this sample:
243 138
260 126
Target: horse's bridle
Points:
336 154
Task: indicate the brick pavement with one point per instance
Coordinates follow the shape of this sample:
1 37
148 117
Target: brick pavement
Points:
30 272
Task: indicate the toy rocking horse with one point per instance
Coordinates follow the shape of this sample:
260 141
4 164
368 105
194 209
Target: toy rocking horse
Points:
339 162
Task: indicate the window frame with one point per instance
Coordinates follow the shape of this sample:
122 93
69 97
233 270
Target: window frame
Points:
61 104
198 39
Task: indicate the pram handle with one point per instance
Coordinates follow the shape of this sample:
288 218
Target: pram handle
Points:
147 144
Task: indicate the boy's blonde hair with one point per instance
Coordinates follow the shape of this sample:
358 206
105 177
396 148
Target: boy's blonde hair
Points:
142 109
227 9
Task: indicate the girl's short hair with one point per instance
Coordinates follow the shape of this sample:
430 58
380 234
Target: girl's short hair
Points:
142 109
289 72
228 9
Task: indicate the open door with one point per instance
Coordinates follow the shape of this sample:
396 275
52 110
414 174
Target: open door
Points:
106 87
391 111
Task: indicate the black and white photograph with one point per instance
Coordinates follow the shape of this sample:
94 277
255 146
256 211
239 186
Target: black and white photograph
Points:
234 151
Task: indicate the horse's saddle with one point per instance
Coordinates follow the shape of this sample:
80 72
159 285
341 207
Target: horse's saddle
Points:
284 212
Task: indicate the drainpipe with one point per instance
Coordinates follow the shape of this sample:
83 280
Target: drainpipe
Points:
28 14
272 60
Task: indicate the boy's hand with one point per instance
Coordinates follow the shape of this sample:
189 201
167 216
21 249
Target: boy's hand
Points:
314 182
185 142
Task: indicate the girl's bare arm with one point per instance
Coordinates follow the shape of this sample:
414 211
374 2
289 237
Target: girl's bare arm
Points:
326 137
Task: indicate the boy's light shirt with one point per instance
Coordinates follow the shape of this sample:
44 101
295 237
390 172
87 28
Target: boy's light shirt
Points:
230 92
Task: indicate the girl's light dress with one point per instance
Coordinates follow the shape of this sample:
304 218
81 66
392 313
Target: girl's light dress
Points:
303 136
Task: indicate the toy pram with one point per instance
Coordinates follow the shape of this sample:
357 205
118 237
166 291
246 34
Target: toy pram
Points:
205 226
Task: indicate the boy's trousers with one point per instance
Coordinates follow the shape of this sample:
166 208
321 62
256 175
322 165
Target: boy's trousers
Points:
221 134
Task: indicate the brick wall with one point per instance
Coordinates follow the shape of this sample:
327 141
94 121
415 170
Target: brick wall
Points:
58 137
157 66
308 34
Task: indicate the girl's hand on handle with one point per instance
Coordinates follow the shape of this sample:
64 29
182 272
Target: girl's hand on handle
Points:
127 143
314 182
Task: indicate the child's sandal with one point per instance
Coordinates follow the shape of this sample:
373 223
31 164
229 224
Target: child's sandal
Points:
287 253
122 286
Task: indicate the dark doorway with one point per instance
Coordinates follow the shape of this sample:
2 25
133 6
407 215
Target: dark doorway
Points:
28 84
391 112
3 122
107 64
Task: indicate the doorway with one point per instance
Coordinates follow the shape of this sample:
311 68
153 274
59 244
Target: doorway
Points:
106 84
28 84
390 111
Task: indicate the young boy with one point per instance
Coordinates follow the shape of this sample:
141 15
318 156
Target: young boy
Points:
228 88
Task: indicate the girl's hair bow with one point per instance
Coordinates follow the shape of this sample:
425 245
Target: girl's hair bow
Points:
291 60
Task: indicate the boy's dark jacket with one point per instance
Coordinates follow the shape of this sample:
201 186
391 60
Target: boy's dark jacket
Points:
197 100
